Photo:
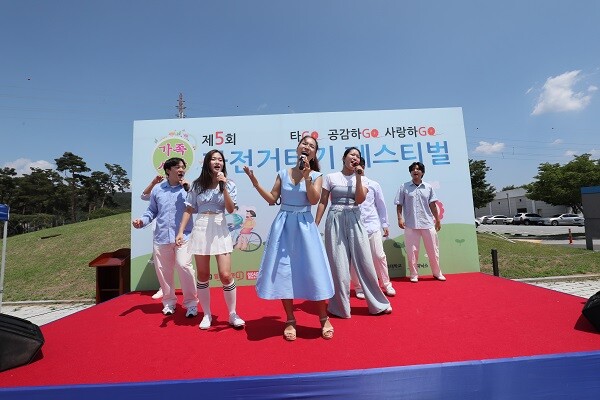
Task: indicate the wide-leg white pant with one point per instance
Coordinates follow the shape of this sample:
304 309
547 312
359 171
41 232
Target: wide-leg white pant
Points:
167 257
412 241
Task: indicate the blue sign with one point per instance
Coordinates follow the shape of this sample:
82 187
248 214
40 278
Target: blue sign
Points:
3 212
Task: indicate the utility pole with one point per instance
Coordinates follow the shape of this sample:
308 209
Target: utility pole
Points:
180 106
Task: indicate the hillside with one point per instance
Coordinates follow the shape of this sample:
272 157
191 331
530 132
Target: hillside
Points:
53 263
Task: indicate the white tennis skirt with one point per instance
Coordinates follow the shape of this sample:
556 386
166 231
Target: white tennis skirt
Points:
210 235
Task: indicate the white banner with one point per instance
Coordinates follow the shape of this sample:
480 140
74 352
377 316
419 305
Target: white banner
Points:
389 141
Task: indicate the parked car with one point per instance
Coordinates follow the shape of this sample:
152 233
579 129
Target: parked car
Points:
483 218
527 219
564 219
496 219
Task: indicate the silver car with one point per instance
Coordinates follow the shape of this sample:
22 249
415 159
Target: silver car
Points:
564 219
497 219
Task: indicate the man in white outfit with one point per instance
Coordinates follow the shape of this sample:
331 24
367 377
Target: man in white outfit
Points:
167 204
417 200
373 215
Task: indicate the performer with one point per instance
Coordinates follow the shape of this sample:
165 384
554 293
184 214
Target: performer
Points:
294 264
373 215
416 200
346 238
167 204
211 194
146 197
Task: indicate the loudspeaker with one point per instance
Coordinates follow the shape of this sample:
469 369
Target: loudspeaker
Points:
20 341
591 310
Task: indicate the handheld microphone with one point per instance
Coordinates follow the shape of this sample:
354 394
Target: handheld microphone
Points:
301 165
221 183
186 187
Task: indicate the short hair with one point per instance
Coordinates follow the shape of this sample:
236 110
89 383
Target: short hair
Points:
349 149
173 162
417 164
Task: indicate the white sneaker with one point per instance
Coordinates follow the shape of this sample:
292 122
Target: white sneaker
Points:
192 311
206 321
414 279
236 321
158 295
360 294
168 310
440 277
390 291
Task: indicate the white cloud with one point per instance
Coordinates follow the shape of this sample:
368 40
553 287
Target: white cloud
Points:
489 148
593 152
592 88
558 95
529 90
22 165
557 141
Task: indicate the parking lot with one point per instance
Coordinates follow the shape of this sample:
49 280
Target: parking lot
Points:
531 230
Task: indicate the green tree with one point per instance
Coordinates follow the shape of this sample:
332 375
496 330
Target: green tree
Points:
483 192
561 185
74 165
36 192
7 185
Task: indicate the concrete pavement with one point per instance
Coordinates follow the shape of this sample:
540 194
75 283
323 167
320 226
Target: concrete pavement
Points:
43 312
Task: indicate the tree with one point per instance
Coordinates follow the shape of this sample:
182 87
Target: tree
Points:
117 177
36 192
75 165
7 184
483 192
509 187
561 185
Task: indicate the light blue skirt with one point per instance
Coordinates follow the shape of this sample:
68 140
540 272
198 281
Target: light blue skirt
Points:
294 264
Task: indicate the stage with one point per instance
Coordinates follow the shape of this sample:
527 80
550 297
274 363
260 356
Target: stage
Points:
474 336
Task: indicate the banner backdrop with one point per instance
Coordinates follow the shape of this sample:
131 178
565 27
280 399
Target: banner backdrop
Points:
389 140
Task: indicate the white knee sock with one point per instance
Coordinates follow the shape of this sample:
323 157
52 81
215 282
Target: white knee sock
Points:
203 289
229 291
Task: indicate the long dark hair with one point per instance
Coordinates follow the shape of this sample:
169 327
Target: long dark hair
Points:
314 163
205 180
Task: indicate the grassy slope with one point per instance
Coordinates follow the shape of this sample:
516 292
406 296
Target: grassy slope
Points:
532 260
42 266
57 267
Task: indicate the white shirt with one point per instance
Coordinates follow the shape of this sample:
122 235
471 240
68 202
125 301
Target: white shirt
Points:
372 211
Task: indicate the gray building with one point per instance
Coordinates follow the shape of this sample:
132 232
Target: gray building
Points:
511 202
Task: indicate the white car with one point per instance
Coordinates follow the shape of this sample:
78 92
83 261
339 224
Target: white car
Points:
497 219
482 218
564 219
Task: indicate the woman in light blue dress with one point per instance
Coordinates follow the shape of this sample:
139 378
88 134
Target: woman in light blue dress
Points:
294 264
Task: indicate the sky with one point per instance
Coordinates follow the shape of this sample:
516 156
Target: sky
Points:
75 75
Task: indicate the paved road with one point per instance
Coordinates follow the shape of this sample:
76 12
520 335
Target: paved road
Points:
534 230
542 234
41 313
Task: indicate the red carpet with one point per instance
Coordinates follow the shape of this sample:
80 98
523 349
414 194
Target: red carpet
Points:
472 316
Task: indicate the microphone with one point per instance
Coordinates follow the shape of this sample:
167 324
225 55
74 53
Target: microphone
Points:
301 165
186 187
358 171
221 183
